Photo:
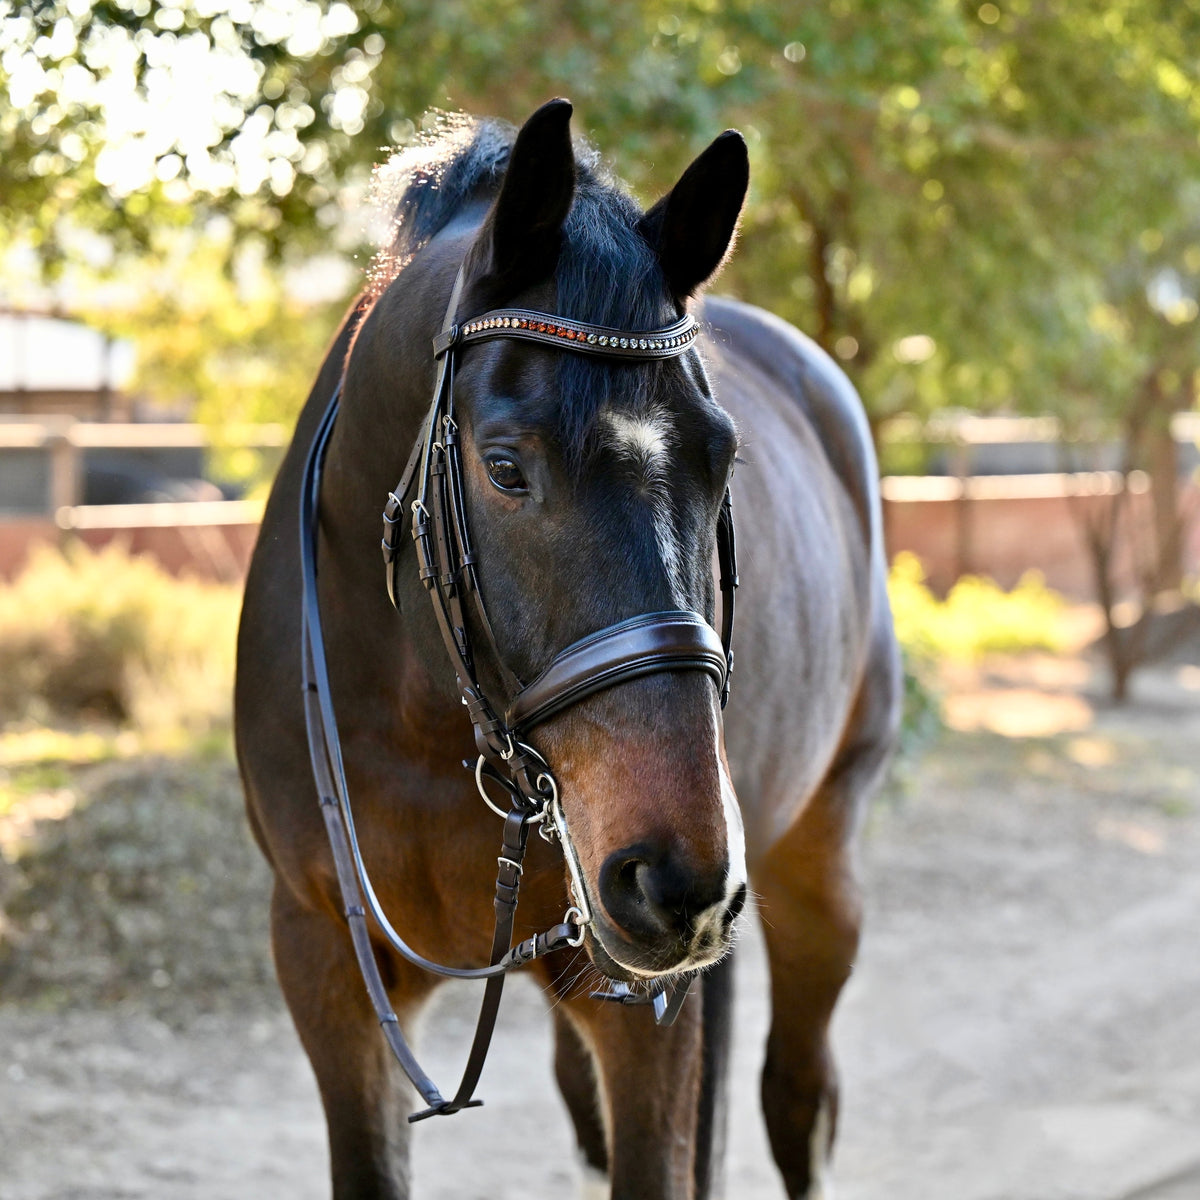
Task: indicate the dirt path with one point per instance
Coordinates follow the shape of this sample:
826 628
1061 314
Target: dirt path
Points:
1024 1023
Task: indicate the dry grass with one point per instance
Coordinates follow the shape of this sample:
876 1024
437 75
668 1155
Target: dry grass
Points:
102 634
132 880
126 868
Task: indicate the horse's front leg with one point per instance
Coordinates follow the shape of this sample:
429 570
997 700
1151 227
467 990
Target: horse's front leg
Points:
649 1081
810 915
811 912
365 1094
575 1073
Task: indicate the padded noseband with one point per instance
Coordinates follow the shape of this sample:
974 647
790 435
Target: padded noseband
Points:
661 641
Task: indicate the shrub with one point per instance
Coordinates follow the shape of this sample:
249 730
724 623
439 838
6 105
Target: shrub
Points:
103 633
977 617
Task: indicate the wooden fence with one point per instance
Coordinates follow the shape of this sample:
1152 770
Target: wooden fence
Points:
1000 526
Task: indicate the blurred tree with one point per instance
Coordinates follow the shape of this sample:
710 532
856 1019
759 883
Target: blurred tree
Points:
926 172
231 345
967 202
1145 334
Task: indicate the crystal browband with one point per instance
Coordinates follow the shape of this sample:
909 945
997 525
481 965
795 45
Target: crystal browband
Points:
565 334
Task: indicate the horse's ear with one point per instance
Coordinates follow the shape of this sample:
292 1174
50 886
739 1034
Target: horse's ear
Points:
525 226
692 227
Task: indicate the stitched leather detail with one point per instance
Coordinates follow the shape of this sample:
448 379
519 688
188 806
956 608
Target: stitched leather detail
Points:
675 640
565 334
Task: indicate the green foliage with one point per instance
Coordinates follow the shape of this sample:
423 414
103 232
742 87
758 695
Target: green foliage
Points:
977 617
218 333
101 633
921 716
944 194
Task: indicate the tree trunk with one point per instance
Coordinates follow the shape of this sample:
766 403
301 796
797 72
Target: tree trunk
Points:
819 247
1162 460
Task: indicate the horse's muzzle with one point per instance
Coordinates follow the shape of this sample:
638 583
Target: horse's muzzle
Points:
657 917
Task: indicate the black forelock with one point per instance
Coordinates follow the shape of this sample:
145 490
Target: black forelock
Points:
422 187
606 274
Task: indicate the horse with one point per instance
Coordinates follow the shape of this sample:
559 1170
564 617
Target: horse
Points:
589 510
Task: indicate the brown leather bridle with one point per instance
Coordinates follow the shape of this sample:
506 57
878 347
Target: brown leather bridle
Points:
649 643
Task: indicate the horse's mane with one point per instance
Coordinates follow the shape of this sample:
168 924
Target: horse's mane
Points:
454 159
606 272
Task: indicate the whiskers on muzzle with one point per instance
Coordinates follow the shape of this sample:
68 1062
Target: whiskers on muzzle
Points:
685 941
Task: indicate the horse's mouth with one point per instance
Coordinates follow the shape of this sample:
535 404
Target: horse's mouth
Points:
640 965
707 942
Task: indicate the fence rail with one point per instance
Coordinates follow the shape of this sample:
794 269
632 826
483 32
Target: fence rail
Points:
160 515
132 435
993 525
906 489
64 443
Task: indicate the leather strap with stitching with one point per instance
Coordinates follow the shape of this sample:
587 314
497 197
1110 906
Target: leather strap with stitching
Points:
662 641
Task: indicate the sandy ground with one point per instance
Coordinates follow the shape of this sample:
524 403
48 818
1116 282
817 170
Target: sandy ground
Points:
1024 1023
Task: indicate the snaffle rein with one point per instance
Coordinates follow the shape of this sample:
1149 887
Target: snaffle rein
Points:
650 642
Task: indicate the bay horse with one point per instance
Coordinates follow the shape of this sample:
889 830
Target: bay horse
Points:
592 487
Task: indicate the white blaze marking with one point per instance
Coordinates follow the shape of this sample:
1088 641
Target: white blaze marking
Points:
645 441
735 834
735 839
710 922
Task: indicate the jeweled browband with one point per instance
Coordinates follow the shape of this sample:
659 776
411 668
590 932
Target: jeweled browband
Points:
565 334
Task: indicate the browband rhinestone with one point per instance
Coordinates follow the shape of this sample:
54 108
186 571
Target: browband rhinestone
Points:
572 335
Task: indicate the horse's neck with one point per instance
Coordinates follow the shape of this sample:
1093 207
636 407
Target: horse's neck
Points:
387 392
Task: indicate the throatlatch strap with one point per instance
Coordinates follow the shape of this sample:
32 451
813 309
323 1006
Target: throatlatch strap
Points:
358 897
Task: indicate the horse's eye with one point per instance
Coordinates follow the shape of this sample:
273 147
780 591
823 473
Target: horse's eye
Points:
505 474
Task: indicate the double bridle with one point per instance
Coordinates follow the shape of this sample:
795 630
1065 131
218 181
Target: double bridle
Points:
673 640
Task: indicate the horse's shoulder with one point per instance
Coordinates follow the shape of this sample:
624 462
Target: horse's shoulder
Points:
744 334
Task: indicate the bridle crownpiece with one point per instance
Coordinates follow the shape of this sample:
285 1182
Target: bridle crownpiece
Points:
648 643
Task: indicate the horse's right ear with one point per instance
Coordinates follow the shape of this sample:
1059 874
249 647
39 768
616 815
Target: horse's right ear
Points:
692 227
523 232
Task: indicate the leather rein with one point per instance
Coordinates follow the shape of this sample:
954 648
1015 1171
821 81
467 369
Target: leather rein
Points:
651 642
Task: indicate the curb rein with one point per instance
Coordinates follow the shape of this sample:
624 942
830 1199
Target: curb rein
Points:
650 642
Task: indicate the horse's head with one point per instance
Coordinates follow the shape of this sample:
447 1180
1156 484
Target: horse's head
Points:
593 490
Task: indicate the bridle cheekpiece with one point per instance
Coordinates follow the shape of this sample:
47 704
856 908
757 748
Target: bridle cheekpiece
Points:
649 643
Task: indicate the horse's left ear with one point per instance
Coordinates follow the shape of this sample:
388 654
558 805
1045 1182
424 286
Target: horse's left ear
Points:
523 231
692 227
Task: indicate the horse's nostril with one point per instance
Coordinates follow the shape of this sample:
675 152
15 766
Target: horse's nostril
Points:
625 885
623 894
627 873
650 894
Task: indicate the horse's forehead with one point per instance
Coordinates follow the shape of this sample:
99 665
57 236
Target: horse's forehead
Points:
645 433
654 418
